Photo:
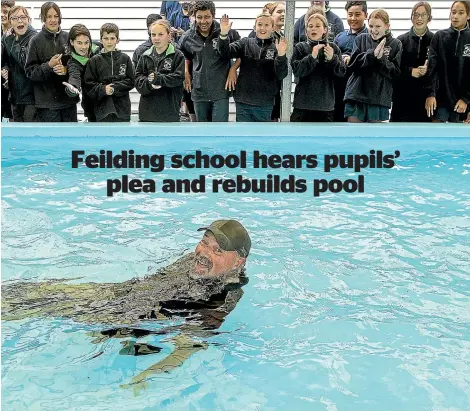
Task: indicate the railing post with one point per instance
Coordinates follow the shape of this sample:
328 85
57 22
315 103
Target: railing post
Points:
287 83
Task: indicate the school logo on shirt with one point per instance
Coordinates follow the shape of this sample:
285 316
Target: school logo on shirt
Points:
387 51
122 69
466 50
214 43
270 55
167 64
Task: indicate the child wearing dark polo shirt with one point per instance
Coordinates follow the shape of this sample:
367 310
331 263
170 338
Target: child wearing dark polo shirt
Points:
81 50
209 71
46 67
356 16
448 88
109 76
409 94
14 50
160 77
375 64
263 65
316 63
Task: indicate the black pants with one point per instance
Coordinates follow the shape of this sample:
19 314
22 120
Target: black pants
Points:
311 116
23 113
62 115
411 114
113 118
340 90
276 114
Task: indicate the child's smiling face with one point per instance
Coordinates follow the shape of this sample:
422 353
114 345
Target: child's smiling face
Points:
378 28
81 45
264 27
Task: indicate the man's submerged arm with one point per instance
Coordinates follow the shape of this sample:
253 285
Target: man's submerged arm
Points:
185 344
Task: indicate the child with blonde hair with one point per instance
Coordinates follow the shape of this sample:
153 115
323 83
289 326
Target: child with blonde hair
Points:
160 77
316 63
263 64
375 65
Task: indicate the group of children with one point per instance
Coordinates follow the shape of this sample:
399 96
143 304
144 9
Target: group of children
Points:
356 74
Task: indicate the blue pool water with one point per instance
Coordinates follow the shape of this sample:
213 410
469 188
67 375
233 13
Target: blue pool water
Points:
355 302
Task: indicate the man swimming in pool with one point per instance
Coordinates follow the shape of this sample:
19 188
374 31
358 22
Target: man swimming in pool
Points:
203 287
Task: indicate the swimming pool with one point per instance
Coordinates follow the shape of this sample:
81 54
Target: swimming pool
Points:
355 301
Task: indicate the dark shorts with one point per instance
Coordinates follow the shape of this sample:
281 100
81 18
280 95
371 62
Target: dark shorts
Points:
63 115
445 115
366 112
253 114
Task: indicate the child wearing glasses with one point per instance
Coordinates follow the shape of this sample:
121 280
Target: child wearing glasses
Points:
409 94
14 50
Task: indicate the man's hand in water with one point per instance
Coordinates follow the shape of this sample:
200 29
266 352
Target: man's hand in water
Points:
185 346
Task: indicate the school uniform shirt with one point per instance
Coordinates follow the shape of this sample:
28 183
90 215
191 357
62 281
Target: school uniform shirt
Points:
371 81
315 89
210 68
163 104
49 92
345 40
448 74
260 70
143 48
76 72
20 86
409 94
335 26
113 67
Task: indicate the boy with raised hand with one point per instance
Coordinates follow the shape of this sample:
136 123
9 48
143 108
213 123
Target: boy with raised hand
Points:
210 69
263 64
357 17
151 18
46 67
109 77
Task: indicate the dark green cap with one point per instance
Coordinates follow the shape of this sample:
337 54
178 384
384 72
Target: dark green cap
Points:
231 236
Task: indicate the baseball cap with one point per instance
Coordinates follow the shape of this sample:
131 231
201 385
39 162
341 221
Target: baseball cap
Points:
231 236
